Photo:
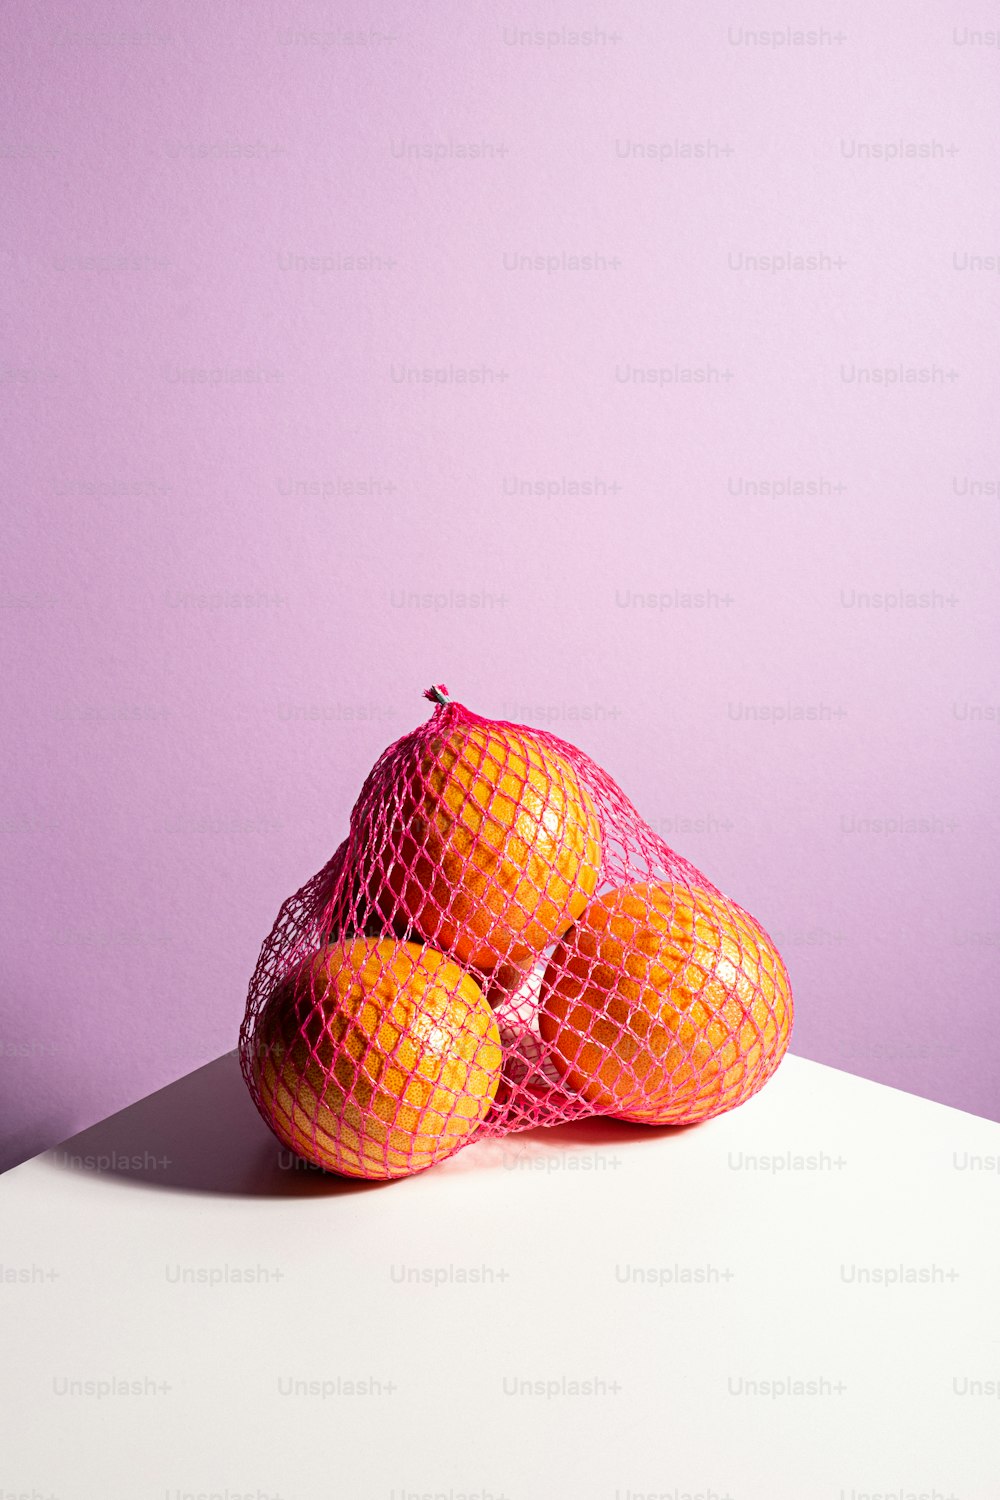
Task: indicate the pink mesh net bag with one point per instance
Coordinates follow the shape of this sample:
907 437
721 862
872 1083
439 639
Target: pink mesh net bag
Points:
501 942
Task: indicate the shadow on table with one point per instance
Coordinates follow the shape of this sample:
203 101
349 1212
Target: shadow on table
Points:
201 1134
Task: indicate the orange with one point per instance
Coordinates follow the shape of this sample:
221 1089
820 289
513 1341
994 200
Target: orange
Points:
493 847
376 1058
665 1004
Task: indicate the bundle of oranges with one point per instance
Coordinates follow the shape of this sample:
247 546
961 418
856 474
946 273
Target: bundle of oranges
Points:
501 942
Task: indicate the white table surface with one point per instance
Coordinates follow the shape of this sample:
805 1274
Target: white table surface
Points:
324 1373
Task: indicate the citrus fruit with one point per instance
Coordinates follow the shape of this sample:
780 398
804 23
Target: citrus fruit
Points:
665 1004
376 1058
492 847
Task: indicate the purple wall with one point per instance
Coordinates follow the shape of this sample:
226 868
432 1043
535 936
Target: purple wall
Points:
239 545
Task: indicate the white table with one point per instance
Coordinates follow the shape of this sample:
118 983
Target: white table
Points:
322 1373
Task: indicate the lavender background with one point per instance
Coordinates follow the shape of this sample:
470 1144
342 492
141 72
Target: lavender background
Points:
242 535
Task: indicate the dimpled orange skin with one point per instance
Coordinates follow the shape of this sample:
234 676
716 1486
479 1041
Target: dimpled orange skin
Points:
376 1058
665 1005
494 850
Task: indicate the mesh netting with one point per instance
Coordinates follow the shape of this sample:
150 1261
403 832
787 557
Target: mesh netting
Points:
501 942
